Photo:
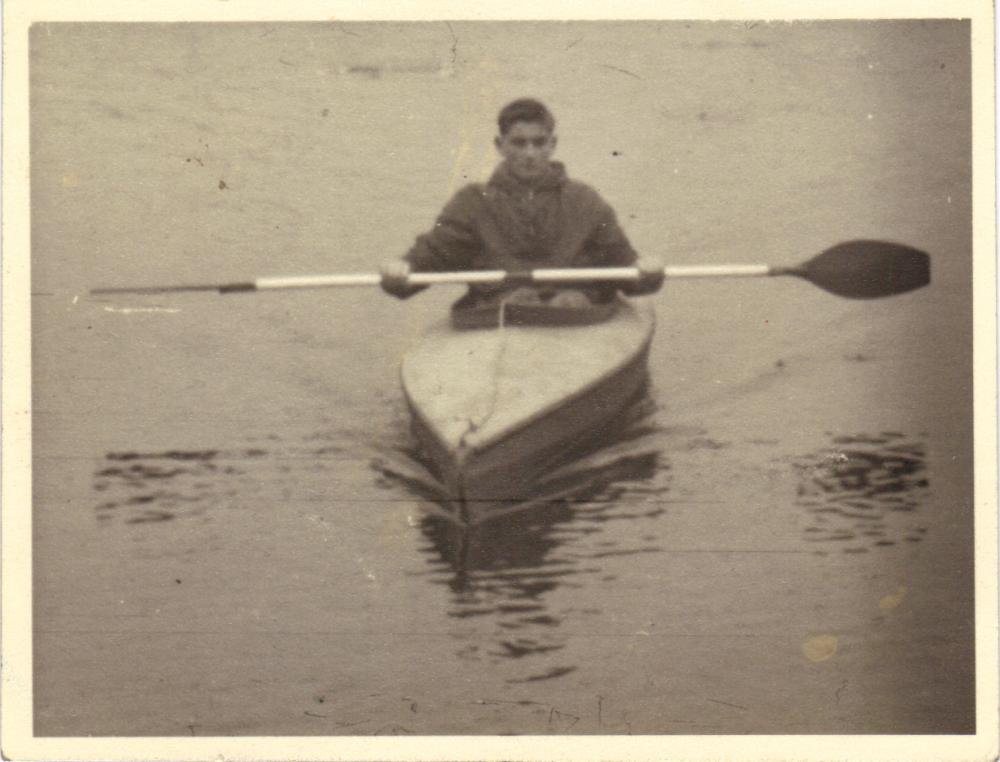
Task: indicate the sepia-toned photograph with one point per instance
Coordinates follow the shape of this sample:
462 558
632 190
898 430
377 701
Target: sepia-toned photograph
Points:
485 378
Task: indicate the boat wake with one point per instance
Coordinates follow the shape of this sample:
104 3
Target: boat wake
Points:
579 473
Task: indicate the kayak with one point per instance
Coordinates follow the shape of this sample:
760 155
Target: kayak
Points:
496 409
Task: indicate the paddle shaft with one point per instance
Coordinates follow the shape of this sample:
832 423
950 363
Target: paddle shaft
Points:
860 269
527 277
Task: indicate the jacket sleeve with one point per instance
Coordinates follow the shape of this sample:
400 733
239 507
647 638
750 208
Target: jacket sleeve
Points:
453 241
608 245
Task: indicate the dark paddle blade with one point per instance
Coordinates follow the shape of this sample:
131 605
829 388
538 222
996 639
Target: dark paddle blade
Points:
868 269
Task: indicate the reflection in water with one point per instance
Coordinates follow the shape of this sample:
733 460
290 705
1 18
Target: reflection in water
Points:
403 463
500 573
864 491
156 487
500 576
142 488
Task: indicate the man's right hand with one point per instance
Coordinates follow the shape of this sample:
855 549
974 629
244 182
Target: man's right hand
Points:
396 279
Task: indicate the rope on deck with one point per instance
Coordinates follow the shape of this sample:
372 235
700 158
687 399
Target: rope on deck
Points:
475 425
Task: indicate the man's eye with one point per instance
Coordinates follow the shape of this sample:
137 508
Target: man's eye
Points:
519 142
539 142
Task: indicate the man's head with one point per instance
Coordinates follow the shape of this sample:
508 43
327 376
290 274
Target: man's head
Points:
527 138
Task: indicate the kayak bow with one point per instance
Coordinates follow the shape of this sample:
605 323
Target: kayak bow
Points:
497 409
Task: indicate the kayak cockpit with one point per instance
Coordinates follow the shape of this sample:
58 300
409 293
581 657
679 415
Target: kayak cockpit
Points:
532 307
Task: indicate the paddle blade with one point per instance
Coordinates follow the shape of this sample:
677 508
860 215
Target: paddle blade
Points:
868 269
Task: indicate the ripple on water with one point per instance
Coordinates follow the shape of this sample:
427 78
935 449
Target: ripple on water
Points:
156 487
163 486
505 579
864 491
502 576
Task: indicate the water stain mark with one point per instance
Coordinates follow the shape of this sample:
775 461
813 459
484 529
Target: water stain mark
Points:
889 602
820 647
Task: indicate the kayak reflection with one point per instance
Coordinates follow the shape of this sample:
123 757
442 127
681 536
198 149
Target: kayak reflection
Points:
505 574
524 539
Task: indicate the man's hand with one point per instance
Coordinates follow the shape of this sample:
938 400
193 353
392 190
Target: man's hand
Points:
650 276
395 279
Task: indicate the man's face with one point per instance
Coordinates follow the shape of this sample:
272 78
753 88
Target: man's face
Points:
526 147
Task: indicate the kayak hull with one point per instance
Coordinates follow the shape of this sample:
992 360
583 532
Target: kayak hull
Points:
496 410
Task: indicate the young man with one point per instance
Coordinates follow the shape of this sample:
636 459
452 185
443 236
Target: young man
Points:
529 215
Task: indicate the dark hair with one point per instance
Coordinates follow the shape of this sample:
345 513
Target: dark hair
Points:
525 110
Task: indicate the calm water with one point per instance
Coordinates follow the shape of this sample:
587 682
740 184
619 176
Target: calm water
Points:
232 531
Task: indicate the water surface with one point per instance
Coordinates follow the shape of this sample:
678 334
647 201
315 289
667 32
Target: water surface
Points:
231 535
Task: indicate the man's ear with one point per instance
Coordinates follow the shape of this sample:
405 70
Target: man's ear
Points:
555 139
497 140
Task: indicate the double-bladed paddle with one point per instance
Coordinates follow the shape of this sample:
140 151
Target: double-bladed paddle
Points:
861 269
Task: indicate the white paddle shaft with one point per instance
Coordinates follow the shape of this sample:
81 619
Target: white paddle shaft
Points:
560 275
717 271
374 279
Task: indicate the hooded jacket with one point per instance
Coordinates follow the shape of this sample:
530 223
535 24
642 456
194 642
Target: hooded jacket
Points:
508 224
